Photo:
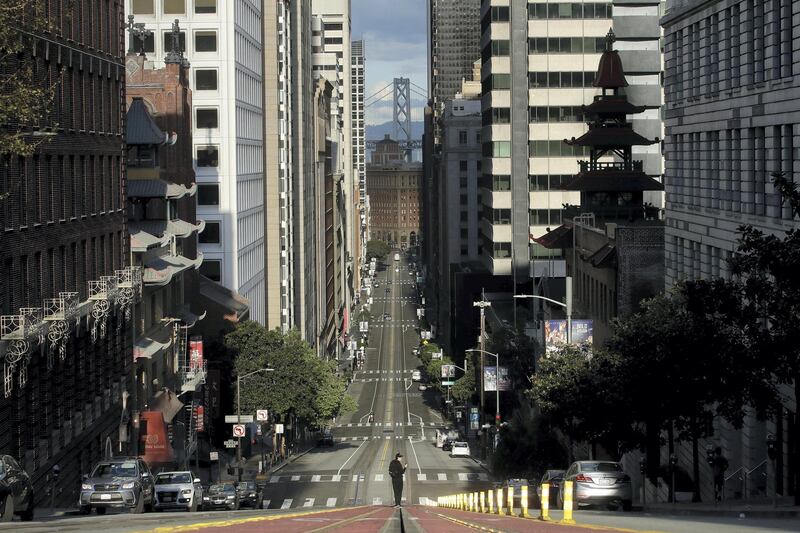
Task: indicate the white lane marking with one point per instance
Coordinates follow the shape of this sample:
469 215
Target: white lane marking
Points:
331 502
315 479
410 441
275 479
286 503
442 476
378 477
351 425
377 500
265 504
463 477
388 437
309 502
337 477
422 477
353 438
351 456
295 478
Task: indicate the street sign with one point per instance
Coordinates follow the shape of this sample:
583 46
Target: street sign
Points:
230 443
238 430
234 419
279 428
262 415
448 383
363 326
214 456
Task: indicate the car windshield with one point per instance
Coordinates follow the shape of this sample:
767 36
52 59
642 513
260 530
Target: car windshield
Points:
460 445
126 469
174 478
554 474
249 485
601 467
220 488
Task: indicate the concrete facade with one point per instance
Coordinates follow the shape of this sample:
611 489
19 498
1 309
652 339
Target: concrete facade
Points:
732 102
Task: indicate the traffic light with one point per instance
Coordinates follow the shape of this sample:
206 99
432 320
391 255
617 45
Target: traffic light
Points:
673 460
710 455
772 447
642 465
56 471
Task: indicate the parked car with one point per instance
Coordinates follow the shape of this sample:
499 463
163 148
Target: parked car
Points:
122 482
397 270
516 484
554 478
598 483
177 490
16 491
376 284
387 316
326 438
249 495
221 496
423 387
459 449
388 290
416 375
447 445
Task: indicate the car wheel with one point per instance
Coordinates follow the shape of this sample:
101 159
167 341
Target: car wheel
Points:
100 510
627 505
193 508
139 507
85 509
27 514
559 501
148 507
8 510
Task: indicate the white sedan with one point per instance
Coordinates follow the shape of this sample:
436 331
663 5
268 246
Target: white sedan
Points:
460 449
416 375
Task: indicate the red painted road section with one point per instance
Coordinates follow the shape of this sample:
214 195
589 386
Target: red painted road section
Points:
430 520
361 520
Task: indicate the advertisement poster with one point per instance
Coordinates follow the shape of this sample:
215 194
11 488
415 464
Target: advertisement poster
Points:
555 333
195 352
448 371
491 380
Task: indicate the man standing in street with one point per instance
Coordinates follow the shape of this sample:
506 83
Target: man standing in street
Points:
718 466
396 471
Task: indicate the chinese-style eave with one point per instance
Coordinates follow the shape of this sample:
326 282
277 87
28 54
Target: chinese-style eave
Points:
611 137
612 106
561 237
613 181
140 128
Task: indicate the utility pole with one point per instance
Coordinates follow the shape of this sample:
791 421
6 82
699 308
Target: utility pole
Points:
482 304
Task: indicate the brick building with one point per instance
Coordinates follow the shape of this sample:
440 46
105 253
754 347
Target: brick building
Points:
65 286
395 195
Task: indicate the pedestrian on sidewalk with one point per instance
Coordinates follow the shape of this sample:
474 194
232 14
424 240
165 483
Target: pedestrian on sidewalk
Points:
718 466
396 471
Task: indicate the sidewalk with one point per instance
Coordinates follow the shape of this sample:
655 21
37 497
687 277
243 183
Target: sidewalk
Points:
734 509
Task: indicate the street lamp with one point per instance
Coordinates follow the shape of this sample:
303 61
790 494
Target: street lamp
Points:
239 414
496 382
567 306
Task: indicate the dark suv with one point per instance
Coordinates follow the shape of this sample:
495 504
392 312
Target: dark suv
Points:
249 495
120 483
16 491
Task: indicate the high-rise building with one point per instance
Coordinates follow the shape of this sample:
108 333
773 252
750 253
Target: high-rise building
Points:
731 94
223 43
533 91
67 287
454 34
357 87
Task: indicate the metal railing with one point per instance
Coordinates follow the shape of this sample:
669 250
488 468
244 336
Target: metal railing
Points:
618 166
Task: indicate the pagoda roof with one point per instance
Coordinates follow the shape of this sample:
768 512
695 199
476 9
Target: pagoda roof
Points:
608 181
140 128
618 105
605 257
611 137
156 188
610 74
561 237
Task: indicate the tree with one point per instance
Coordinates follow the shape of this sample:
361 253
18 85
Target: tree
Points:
517 352
464 388
377 249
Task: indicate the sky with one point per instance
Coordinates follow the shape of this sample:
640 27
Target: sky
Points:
395 45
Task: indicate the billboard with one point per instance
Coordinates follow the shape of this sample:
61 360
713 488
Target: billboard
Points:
195 353
448 371
492 379
555 333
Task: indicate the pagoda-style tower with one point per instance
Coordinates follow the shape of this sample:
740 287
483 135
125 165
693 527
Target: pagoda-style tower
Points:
612 190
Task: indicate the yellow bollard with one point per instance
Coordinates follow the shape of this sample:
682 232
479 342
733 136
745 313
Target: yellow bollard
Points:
483 501
567 504
471 502
460 504
510 501
490 497
476 499
523 501
545 512
499 501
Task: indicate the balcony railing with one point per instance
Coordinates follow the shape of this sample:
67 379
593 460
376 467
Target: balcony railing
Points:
192 376
611 166
610 213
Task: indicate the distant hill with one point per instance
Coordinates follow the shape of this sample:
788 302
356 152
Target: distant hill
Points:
375 132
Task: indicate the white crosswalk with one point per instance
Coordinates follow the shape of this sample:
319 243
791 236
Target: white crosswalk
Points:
331 502
287 503
309 502
338 478
383 424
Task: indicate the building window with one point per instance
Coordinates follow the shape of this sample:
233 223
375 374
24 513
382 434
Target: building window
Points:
211 234
174 7
207 118
207 156
205 41
500 48
149 44
212 269
462 137
202 7
142 7
168 41
205 80
207 194
462 165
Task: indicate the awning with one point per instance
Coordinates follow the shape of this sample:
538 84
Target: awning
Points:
161 228
160 270
561 237
140 127
613 181
235 307
155 188
153 343
141 241
167 403
605 257
189 319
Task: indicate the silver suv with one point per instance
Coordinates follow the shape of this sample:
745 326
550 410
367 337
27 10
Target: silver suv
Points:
178 490
120 483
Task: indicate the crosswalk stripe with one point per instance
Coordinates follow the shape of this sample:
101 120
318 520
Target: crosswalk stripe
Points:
463 477
295 478
275 479
286 503
331 502
309 502
315 479
336 478
377 500
265 504
422 477
442 476
378 477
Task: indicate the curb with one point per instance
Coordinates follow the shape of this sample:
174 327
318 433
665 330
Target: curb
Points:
291 460
726 513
